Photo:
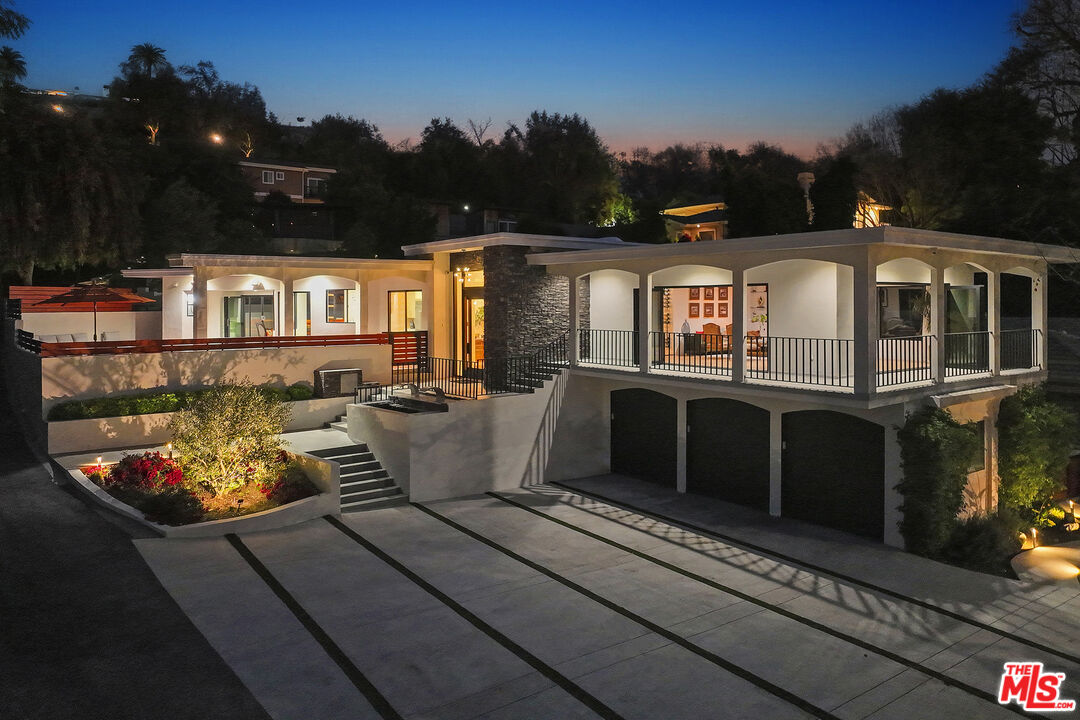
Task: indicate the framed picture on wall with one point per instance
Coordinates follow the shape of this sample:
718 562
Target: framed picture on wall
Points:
695 310
709 309
695 293
721 310
723 293
710 293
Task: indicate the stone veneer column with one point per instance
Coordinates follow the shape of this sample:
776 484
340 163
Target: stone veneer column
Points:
525 308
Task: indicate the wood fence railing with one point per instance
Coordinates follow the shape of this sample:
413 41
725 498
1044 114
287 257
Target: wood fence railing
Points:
406 347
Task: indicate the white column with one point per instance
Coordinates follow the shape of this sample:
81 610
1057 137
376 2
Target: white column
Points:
572 339
287 306
199 288
644 319
993 304
1040 319
680 446
865 331
937 321
738 325
893 476
776 460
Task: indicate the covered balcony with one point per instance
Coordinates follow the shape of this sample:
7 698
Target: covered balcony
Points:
864 324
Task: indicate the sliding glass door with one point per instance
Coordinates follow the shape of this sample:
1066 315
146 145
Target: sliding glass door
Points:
248 316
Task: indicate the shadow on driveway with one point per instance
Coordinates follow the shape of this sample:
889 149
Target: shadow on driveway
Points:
86 630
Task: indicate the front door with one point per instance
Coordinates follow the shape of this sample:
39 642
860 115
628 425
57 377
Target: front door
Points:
472 327
248 316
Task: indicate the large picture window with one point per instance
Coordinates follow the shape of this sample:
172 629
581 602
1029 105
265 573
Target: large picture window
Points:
337 305
406 310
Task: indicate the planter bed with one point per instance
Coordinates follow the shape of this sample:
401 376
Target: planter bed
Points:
322 474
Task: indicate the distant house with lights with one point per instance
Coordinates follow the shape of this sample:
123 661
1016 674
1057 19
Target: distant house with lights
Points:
292 208
771 372
693 223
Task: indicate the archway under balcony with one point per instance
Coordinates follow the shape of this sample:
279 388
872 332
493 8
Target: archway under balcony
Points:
325 305
802 298
692 299
968 305
244 305
1022 335
905 319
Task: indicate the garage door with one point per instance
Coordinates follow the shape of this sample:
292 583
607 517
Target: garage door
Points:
834 471
643 437
727 451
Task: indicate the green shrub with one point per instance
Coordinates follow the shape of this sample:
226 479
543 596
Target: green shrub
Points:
1035 438
228 437
299 391
985 543
170 506
155 402
936 452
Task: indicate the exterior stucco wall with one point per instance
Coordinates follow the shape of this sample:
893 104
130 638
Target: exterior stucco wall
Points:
478 445
111 325
68 378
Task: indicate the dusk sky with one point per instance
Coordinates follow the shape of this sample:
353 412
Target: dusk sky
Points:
794 74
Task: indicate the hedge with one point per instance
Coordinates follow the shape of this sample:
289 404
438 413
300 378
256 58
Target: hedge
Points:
155 402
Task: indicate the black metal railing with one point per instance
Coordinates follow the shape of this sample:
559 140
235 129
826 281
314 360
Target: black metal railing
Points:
373 393
904 360
615 348
27 341
967 353
12 308
823 362
691 352
1020 349
469 380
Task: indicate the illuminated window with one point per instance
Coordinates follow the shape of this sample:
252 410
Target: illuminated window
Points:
337 305
406 310
268 177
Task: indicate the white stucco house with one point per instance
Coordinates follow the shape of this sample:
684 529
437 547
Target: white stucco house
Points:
771 372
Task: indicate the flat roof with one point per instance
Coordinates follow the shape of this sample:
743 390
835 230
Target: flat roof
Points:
475 242
285 165
886 235
184 263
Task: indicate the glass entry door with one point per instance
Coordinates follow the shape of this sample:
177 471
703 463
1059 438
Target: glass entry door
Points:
301 313
473 323
248 316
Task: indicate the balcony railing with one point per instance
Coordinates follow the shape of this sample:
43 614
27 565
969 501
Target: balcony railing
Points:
905 360
822 362
1020 349
613 348
967 353
691 352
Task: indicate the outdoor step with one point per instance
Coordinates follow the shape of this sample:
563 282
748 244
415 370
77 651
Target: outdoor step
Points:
370 493
375 504
355 459
367 484
347 468
340 452
363 475
343 427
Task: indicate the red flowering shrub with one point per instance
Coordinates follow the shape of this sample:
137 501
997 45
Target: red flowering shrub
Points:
291 484
149 471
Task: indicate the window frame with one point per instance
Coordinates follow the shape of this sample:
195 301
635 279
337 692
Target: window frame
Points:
268 177
346 298
279 175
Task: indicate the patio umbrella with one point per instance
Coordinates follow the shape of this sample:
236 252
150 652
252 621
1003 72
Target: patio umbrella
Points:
94 294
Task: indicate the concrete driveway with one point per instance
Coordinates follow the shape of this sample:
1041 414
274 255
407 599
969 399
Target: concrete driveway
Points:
544 603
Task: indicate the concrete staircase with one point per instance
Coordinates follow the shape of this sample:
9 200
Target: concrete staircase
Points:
340 424
365 484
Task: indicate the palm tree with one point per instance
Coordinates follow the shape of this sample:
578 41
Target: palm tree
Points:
12 66
148 57
12 24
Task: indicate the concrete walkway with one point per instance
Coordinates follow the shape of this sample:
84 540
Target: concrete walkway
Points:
544 603
86 631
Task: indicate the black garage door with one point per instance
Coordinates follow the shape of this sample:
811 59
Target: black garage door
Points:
727 451
834 471
643 437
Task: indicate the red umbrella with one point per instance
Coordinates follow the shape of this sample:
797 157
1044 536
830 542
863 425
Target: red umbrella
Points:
82 294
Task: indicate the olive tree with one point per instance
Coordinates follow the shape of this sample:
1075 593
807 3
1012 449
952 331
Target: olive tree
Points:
229 437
